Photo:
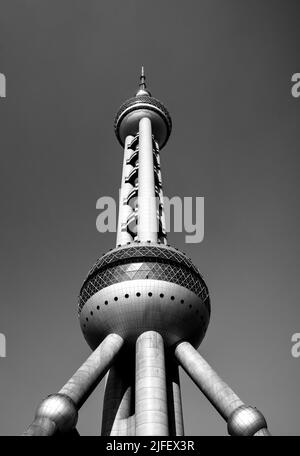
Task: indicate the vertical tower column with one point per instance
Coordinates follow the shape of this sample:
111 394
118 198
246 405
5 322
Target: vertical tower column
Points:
122 235
174 398
147 212
151 413
118 405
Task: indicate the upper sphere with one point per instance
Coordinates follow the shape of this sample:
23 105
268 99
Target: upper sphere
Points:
143 105
143 287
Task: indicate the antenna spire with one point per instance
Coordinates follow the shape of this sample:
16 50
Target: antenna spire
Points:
142 84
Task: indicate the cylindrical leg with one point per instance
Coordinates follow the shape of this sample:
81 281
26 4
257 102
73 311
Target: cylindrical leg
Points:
241 420
151 413
118 406
147 211
217 392
59 412
87 377
174 398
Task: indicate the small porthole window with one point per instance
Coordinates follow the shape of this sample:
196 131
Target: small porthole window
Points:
172 297
127 295
138 294
150 294
115 298
106 302
161 295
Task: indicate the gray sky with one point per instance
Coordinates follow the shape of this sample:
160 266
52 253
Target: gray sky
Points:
223 69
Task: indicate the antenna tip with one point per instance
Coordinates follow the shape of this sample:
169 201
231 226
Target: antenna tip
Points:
142 84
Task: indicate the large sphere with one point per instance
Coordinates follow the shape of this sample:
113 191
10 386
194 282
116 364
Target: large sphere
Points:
143 287
133 110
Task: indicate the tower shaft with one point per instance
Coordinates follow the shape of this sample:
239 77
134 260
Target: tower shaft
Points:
147 213
141 204
151 405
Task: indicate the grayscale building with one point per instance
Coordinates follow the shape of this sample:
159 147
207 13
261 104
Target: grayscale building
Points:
144 309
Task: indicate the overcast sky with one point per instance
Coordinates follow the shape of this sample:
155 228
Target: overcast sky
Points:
223 69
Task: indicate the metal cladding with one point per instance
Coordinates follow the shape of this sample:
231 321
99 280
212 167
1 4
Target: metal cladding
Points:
143 308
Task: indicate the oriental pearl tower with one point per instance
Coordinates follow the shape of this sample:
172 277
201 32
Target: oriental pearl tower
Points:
144 309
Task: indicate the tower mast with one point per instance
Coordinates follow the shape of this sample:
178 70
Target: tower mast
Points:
141 213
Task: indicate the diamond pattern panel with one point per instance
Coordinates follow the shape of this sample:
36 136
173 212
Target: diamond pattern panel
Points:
141 252
170 272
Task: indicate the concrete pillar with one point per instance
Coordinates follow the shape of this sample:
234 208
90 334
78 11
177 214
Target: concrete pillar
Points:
87 377
151 413
243 420
118 405
123 236
147 218
217 392
174 398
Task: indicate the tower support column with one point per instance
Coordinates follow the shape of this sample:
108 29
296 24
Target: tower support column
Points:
87 377
59 412
176 427
147 211
118 406
151 411
241 420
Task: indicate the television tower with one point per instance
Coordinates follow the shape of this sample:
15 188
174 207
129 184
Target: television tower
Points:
144 309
